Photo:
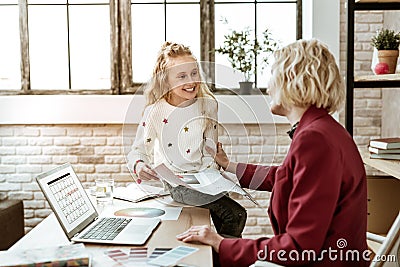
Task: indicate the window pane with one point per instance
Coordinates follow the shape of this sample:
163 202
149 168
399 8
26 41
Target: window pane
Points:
183 26
183 1
222 1
147 1
89 1
47 1
225 21
90 47
10 56
7 2
48 47
145 46
283 29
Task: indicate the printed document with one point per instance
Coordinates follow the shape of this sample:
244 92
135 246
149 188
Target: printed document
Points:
209 181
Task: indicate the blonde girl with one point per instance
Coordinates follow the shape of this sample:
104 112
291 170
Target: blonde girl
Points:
179 121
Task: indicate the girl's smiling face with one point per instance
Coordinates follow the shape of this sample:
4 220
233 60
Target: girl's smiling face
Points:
183 79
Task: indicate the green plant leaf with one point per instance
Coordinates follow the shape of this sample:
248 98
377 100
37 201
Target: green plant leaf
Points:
386 39
242 50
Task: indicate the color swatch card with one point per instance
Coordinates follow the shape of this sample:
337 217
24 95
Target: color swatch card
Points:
117 255
158 252
136 257
173 256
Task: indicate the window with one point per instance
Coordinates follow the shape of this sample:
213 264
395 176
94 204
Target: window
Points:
110 46
257 15
10 56
170 20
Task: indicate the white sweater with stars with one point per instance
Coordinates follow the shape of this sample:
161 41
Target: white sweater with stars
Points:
176 136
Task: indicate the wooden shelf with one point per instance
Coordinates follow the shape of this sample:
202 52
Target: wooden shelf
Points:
377 81
377 5
377 1
391 167
383 77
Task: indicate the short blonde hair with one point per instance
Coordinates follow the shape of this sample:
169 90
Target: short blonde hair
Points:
305 73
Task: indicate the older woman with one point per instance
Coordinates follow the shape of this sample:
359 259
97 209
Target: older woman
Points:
318 205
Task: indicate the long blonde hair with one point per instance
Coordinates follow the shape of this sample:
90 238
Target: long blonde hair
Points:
305 73
158 87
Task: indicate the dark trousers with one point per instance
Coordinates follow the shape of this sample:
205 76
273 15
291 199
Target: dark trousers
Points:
228 216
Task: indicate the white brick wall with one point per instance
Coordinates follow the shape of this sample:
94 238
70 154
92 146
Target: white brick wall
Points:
98 151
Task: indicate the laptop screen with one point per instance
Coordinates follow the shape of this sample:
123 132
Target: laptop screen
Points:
67 198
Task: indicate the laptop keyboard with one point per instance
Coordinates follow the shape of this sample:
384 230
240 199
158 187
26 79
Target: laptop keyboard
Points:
106 229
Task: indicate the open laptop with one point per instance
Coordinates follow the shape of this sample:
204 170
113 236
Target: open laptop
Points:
79 218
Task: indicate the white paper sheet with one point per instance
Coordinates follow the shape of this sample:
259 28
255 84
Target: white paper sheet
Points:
211 182
136 193
167 175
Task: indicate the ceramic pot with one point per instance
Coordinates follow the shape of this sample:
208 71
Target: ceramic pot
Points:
245 88
389 57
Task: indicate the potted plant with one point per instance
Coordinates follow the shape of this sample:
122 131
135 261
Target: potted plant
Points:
242 50
387 43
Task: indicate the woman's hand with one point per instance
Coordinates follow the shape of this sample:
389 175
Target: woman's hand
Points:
220 156
145 172
202 234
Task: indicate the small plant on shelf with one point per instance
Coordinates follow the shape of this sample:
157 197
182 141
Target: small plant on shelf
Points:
387 43
386 39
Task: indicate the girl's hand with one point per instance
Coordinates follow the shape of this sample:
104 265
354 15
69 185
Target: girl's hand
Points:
145 172
202 234
220 156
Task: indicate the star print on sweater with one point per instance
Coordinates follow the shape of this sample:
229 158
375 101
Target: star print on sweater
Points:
176 134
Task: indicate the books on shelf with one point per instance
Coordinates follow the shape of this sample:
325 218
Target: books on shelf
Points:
68 255
384 156
385 148
383 151
385 143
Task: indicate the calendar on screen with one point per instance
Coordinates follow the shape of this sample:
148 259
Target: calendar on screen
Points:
69 197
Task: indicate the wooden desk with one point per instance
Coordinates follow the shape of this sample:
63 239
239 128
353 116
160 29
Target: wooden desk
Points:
50 233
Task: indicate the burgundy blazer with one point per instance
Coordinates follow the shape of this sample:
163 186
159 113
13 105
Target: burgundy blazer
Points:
318 205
